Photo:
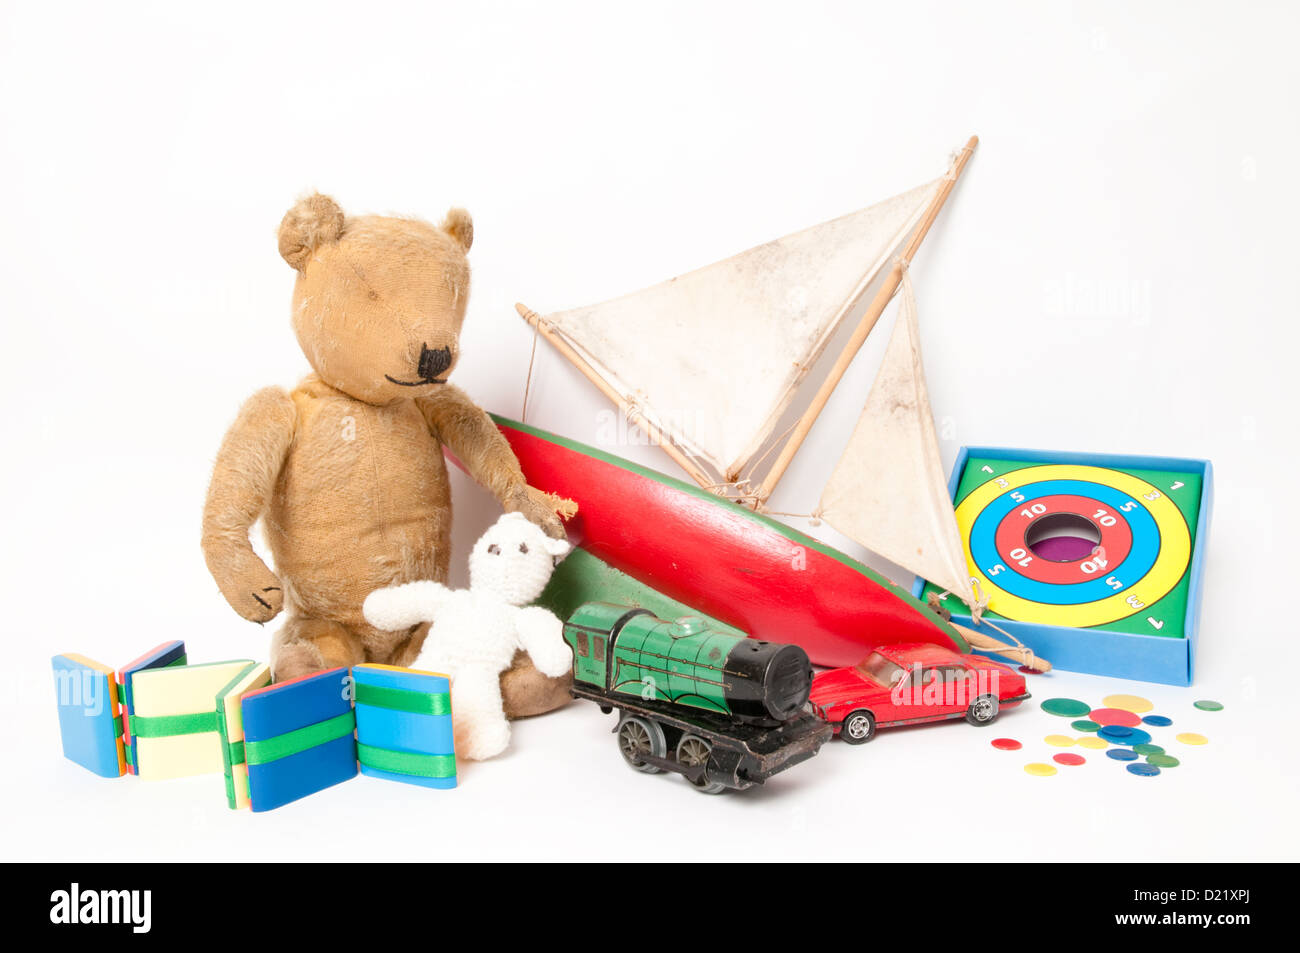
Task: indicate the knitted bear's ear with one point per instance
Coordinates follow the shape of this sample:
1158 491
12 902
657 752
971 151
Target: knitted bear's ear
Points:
557 547
314 221
459 226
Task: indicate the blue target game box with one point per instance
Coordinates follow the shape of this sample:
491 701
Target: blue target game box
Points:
1094 561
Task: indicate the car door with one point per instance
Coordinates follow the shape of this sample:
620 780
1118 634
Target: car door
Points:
908 699
959 688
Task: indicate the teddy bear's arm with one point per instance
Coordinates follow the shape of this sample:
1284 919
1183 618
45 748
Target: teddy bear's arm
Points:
243 479
541 635
394 608
470 433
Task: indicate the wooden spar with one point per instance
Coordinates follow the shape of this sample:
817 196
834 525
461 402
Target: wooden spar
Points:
1020 653
578 361
869 319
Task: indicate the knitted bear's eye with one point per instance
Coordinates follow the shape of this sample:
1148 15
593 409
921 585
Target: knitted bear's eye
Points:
494 549
523 548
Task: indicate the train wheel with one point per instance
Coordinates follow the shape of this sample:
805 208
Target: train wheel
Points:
693 751
983 710
638 737
859 727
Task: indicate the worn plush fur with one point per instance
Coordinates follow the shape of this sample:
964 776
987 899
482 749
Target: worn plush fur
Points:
347 469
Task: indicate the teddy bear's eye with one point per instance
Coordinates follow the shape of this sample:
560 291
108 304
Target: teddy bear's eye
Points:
494 549
523 548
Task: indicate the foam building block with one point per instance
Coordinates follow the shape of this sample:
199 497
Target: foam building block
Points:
160 656
230 726
174 719
89 715
298 738
404 726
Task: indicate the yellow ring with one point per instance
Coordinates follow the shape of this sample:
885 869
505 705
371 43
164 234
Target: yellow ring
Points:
1175 547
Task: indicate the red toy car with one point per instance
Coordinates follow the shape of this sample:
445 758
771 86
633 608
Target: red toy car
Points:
911 684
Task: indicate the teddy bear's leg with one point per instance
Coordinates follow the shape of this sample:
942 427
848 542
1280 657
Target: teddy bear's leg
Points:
304 646
479 724
526 691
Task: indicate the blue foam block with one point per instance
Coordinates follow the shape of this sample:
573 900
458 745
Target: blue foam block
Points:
289 706
402 730
87 723
169 653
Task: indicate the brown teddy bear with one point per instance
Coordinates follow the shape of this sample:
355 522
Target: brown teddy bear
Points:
348 469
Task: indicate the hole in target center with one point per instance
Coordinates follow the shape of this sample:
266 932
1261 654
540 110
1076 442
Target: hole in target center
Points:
1062 537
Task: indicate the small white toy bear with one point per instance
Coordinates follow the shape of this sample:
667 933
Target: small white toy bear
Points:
476 631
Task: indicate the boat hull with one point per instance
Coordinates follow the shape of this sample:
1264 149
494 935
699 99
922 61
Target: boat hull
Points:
716 557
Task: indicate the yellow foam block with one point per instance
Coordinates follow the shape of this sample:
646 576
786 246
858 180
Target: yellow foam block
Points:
180 690
233 713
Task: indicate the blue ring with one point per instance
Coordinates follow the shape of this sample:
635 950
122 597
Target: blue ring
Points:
1142 556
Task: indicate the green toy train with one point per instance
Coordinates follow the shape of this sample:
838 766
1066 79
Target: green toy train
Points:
725 711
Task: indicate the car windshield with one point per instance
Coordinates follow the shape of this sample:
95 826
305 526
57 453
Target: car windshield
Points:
880 670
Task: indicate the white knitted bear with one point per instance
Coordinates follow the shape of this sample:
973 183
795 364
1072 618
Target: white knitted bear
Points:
476 631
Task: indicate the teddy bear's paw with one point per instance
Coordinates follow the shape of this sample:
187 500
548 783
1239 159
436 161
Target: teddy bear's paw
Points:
482 741
543 509
258 596
266 603
247 583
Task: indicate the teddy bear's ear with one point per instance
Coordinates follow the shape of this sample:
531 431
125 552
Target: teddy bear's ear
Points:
314 221
459 226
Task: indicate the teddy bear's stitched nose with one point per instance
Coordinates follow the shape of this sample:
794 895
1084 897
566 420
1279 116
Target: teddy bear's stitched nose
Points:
433 363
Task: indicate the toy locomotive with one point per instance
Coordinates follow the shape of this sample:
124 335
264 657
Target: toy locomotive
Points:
725 711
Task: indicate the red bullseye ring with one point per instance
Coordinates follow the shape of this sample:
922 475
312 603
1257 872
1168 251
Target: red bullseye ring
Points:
1116 539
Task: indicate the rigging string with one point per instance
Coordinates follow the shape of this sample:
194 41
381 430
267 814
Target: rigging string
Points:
814 518
528 381
1026 654
753 465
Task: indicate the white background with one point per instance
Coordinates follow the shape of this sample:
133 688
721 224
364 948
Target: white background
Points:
1115 272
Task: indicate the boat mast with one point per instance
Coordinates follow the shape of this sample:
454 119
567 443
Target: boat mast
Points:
869 319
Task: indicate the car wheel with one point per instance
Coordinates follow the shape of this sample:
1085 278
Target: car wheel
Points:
859 727
983 710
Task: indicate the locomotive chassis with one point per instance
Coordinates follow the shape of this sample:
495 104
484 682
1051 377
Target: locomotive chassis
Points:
743 754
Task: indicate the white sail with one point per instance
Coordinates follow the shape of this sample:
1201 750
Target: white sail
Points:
713 357
888 492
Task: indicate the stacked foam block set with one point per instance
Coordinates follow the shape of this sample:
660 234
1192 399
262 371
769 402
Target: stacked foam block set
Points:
161 717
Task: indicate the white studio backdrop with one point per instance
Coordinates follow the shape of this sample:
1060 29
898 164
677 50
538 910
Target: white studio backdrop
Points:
1114 272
